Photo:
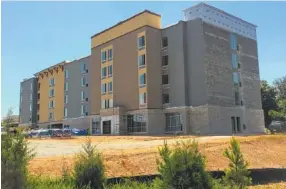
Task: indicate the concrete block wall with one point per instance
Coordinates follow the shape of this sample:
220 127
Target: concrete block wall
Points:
198 120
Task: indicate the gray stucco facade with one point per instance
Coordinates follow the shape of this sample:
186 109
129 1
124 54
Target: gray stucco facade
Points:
28 102
77 96
201 85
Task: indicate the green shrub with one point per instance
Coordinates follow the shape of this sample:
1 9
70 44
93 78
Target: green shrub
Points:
183 167
267 131
128 184
237 174
15 156
89 168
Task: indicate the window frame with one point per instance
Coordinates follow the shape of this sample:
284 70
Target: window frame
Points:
164 39
103 58
83 67
163 60
82 109
83 81
141 85
103 70
66 86
103 92
108 71
142 58
108 53
108 87
144 97
163 94
163 79
66 74
82 95
65 112
143 41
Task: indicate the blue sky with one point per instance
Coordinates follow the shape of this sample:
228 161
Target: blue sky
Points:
36 35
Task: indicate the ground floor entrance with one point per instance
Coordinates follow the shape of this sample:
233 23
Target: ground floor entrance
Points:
106 127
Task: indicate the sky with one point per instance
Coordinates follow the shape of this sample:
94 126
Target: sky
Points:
36 35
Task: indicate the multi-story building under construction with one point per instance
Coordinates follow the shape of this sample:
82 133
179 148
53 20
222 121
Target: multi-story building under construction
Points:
200 75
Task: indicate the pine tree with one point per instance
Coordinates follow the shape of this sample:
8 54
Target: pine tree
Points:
237 174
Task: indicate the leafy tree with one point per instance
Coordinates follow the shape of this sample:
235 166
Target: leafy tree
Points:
268 95
280 113
280 85
15 156
183 167
237 174
89 168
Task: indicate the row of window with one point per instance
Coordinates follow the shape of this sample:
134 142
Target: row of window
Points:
109 55
105 89
235 75
106 71
31 87
82 69
82 110
106 103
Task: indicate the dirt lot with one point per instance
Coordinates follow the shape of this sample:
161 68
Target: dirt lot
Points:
281 185
128 155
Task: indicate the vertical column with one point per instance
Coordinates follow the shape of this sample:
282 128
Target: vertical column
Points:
142 69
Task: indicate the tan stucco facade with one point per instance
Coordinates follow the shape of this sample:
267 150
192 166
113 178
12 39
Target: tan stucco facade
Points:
44 76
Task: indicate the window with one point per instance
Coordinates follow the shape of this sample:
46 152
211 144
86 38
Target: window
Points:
39 96
30 106
66 99
21 89
52 82
165 60
66 74
103 88
236 124
109 54
142 80
142 98
236 98
21 99
109 70
31 97
83 82
103 56
234 61
65 112
173 122
82 109
51 104
165 79
38 117
232 41
141 61
38 107
102 104
141 42
52 92
136 123
165 98
103 73
82 68
164 42
39 85
236 80
31 86
66 86
82 95
51 115
109 87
